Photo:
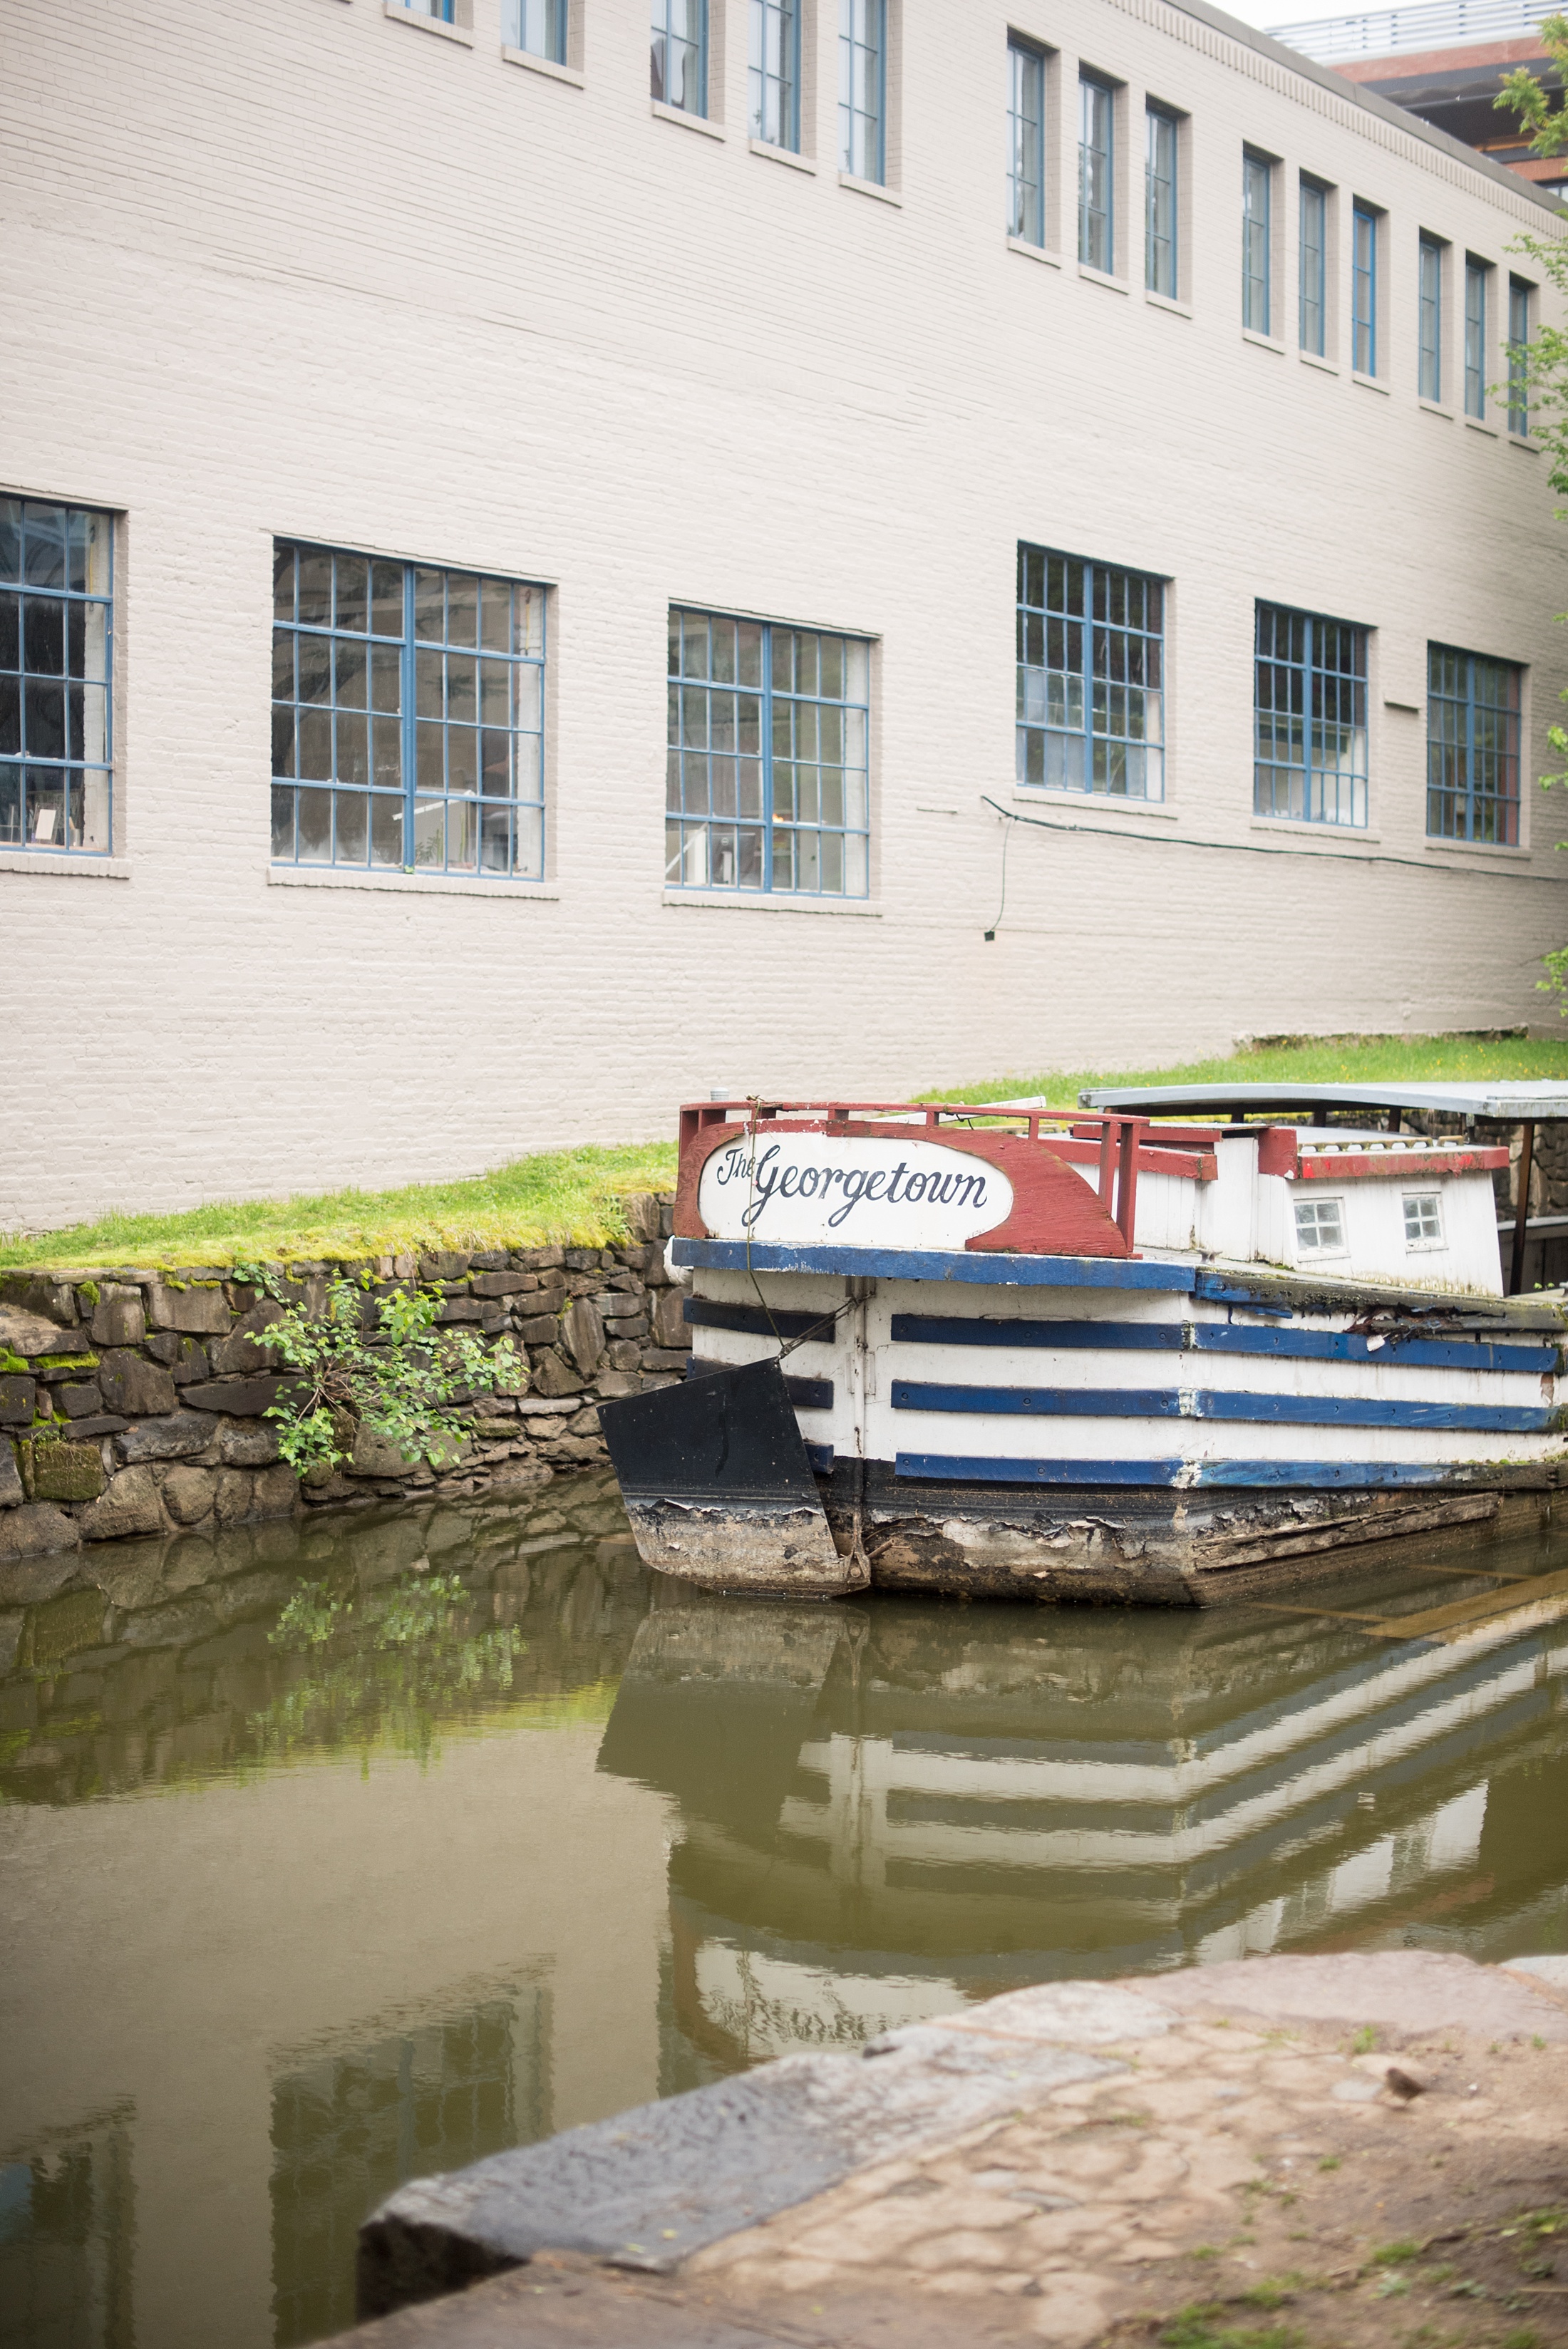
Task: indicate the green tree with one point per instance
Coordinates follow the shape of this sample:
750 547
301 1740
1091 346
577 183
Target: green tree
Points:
1538 369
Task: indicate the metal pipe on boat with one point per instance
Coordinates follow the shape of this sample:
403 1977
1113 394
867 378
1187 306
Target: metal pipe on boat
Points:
1521 1209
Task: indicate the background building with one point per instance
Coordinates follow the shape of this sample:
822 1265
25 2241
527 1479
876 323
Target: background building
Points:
1085 415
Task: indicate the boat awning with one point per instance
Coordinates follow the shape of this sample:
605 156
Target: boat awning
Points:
1533 1097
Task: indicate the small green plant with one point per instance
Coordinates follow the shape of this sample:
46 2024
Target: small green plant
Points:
390 1372
1364 2040
1524 2336
1194 2327
1204 2251
1393 2286
1329 2161
1395 2254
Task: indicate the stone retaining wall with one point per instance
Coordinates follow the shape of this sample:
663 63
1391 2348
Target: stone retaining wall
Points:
131 1401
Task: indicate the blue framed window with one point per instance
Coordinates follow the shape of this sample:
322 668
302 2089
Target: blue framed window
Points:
1476 276
442 10
1310 718
773 73
539 26
1091 657
766 773
1473 747
1097 174
1518 294
1429 318
678 56
56 666
1161 202
863 88
1025 143
1364 290
1312 325
407 717
1257 244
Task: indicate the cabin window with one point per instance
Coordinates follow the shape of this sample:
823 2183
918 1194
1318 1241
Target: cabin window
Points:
1311 728
1025 143
1091 646
1473 747
766 775
407 717
57 631
1320 1226
1423 1220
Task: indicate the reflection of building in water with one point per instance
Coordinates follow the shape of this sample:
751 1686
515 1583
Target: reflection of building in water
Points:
355 2121
904 1808
65 2239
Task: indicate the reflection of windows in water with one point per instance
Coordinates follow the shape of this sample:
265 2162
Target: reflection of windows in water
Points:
349 2128
65 2243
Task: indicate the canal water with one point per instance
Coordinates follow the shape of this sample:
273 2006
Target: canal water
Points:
337 1854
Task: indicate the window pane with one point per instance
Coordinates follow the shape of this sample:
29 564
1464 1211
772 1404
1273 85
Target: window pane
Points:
1310 700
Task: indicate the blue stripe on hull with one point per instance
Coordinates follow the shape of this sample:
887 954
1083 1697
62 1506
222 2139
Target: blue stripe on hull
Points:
987 1271
1167 1402
960 1468
1221 1338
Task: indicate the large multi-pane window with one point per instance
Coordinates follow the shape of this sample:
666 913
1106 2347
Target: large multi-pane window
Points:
56 634
537 26
1473 747
1091 643
1257 242
1429 307
1097 170
863 88
1517 354
408 715
1364 290
1161 198
1025 143
1476 276
678 56
1314 321
766 775
773 72
1310 718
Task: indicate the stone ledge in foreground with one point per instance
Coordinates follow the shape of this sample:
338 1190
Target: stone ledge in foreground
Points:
1061 2164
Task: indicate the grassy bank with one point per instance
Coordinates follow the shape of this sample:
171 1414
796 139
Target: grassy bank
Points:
574 1196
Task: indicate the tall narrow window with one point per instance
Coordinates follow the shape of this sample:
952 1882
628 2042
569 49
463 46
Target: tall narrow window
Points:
1025 143
774 72
766 770
1091 647
537 26
442 10
1314 269
56 634
1161 198
1476 276
679 55
1364 290
1473 747
1430 302
863 88
407 716
1310 718
1257 230
1517 354
1096 162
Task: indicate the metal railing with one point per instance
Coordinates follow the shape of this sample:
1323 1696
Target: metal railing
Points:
1432 25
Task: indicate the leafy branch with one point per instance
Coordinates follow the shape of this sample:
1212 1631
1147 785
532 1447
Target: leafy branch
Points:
377 1364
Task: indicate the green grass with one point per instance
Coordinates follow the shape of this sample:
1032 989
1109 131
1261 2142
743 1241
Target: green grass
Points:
571 1195
1362 1060
574 1196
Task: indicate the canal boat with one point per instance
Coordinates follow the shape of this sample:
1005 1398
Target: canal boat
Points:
1106 1354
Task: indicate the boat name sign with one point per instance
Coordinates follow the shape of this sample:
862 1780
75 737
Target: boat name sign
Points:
809 1188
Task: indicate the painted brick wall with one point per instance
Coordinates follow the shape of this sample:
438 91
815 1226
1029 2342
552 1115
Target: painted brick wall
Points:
310 270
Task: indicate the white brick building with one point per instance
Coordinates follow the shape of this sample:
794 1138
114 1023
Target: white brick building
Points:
330 275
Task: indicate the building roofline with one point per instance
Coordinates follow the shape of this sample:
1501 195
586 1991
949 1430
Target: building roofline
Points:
1367 100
